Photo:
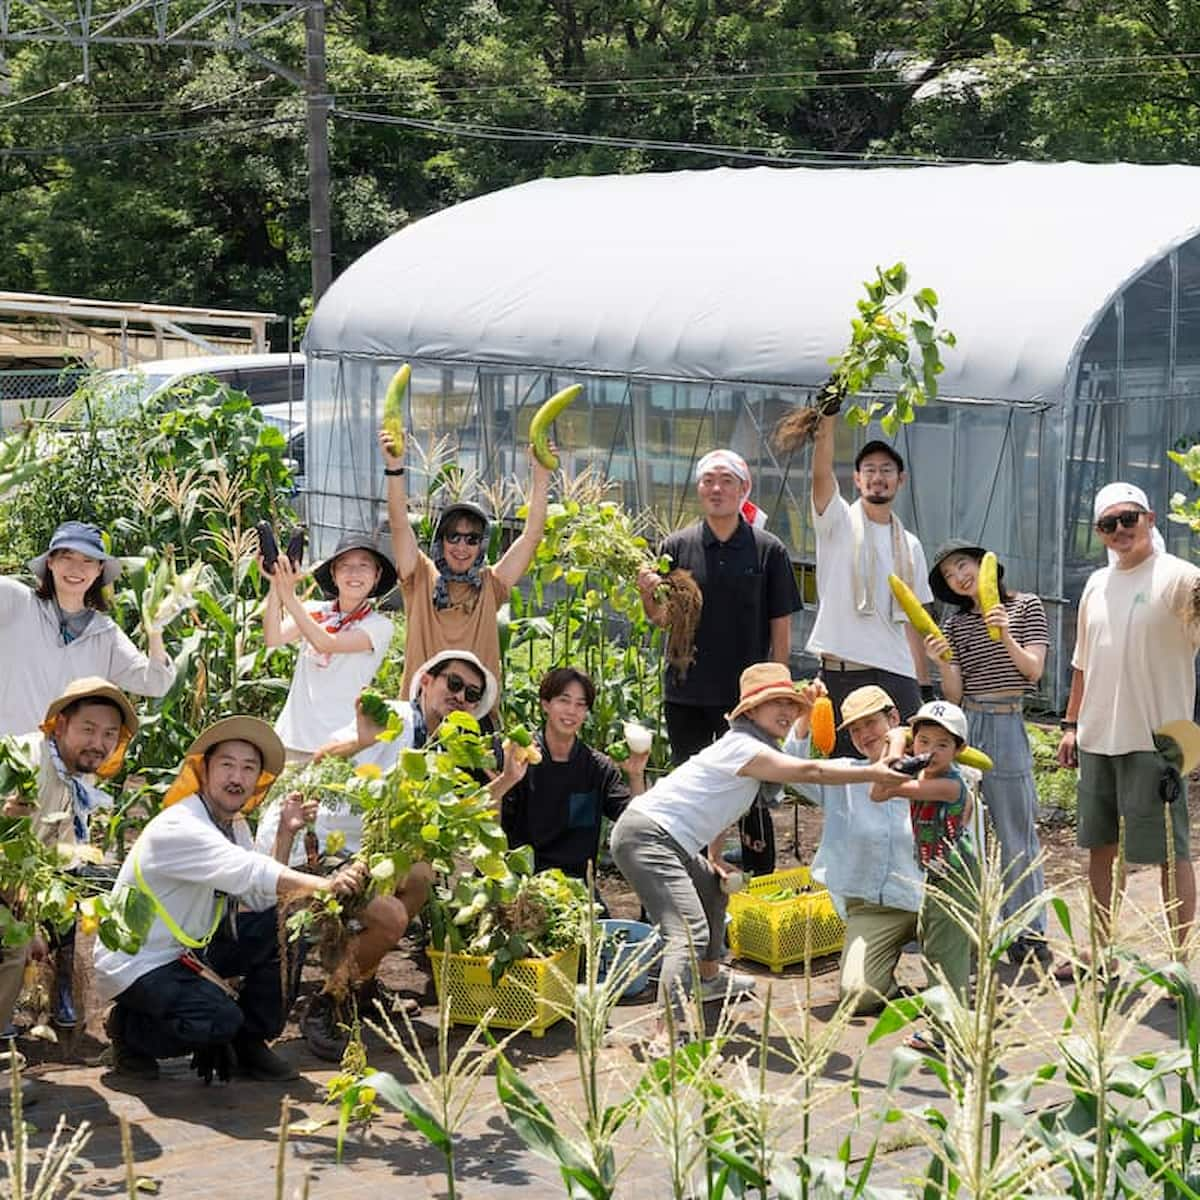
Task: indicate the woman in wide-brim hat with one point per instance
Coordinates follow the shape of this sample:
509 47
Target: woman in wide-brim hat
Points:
667 843
990 679
342 641
60 631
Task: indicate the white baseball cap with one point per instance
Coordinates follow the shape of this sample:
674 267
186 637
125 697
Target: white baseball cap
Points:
1118 493
941 712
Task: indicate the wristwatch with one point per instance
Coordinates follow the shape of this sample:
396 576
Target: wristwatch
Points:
1068 726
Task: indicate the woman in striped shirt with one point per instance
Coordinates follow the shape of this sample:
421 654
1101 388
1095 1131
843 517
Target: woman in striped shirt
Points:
989 679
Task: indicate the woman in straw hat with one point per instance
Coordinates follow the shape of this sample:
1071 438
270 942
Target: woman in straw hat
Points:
342 642
60 631
667 842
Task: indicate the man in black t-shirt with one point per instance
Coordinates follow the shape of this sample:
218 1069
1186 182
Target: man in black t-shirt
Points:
557 805
750 593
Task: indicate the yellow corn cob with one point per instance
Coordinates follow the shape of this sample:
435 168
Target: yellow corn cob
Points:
989 589
914 610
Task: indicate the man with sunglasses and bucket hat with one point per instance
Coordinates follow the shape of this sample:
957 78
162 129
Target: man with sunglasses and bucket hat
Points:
452 594
206 980
451 681
1135 646
342 642
61 631
84 735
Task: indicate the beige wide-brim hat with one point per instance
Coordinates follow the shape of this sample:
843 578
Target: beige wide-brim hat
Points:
244 729
491 689
93 687
1186 735
763 682
865 702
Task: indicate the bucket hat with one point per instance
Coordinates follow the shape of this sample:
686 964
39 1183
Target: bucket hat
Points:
937 582
84 539
323 572
93 687
243 729
490 688
865 702
763 682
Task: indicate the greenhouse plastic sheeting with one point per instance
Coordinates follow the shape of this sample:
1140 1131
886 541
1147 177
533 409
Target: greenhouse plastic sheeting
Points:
751 275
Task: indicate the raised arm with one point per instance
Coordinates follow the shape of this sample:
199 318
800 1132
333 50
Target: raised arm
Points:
404 542
773 766
519 555
350 641
824 482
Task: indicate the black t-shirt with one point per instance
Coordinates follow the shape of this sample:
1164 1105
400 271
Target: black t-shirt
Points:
557 808
746 583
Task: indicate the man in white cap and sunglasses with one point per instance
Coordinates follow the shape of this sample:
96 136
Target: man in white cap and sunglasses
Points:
745 577
1133 673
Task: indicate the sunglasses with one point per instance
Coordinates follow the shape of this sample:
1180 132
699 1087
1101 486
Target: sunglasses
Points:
472 539
1126 520
455 683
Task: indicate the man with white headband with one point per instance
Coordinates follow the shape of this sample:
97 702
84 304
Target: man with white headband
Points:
1136 640
861 634
745 576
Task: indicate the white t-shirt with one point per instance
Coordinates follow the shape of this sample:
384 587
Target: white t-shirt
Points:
875 639
325 686
339 817
185 861
704 795
1136 644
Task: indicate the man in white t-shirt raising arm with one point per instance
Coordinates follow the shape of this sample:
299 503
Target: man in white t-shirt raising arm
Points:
861 635
1133 673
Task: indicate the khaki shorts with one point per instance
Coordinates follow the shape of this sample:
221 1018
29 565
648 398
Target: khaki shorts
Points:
1115 786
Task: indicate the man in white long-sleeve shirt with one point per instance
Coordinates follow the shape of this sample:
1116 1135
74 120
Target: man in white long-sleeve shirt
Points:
196 864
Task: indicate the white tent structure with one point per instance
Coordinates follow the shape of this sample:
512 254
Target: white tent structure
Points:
699 306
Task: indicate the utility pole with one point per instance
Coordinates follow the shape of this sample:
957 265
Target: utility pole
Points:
320 236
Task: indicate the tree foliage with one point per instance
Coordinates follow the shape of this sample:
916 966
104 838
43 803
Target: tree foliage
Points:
202 155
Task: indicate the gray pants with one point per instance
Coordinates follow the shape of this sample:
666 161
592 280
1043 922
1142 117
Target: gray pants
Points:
1011 798
681 894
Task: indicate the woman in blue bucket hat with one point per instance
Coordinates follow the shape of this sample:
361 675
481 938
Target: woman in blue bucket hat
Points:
60 631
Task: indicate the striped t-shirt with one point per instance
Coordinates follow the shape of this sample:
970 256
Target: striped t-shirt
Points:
985 665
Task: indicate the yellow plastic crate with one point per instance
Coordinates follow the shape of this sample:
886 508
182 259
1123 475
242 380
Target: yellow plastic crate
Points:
785 931
533 990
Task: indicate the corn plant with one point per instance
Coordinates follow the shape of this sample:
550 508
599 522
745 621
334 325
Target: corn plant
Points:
57 1160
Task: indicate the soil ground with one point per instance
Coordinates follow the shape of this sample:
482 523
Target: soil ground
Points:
194 1141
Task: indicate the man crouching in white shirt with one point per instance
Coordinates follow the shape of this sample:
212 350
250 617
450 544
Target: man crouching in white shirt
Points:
214 919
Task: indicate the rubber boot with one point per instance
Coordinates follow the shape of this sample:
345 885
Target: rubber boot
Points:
63 1003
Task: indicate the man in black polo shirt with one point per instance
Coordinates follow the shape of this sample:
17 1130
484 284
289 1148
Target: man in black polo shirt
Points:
750 593
558 805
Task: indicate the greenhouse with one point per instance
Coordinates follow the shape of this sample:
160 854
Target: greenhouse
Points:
698 307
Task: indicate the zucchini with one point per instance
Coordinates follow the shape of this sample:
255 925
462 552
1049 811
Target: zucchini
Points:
393 409
539 427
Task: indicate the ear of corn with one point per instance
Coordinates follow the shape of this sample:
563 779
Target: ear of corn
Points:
914 610
539 427
989 589
824 734
393 408
169 594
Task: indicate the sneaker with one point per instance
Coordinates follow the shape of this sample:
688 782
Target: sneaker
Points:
729 983
124 1060
257 1060
323 1029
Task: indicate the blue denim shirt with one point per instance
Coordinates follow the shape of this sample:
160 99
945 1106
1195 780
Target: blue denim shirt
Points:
866 850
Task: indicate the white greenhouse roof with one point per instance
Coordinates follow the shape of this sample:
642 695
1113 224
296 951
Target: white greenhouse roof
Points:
752 275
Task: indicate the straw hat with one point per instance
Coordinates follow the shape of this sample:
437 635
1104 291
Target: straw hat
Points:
763 682
244 729
1186 735
92 687
865 702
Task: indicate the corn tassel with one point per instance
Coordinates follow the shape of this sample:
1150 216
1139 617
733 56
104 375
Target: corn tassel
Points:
989 589
914 610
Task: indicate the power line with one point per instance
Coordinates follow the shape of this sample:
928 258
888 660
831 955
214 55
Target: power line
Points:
200 133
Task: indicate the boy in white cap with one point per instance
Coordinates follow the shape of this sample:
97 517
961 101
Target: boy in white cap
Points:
1136 641
940 810
749 591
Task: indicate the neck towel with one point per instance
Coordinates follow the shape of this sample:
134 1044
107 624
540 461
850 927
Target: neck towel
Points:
866 566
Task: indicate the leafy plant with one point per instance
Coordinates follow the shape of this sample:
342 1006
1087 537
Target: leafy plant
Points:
1056 786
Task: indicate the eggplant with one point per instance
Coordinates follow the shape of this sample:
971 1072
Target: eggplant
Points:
268 547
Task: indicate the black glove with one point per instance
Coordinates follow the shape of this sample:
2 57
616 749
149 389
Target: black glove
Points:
213 1060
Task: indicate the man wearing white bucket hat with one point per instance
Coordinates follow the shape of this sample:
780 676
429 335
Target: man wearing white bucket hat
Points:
1133 674
745 577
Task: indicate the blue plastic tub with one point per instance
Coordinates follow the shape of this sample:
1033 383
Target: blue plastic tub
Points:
639 944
